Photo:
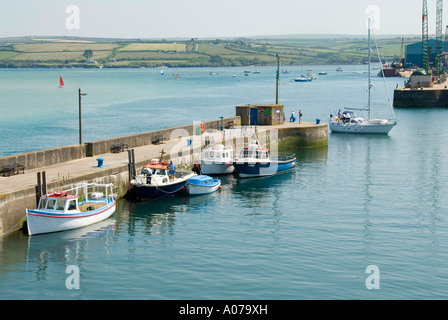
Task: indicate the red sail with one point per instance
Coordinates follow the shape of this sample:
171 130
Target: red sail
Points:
61 83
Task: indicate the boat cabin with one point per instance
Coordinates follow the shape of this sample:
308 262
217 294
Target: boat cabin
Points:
156 172
202 180
254 152
58 202
217 153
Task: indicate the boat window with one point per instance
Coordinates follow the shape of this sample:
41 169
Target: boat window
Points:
207 155
60 205
218 155
160 172
212 154
42 203
247 154
261 155
72 205
204 182
51 203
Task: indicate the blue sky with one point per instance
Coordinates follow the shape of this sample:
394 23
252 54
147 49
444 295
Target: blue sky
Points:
210 18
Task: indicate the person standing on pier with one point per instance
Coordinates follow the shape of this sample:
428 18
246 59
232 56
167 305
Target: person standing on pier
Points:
300 115
293 117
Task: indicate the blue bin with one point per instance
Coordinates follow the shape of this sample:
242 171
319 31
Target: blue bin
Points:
189 141
317 121
100 162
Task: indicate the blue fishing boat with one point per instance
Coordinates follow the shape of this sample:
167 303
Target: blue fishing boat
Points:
202 184
255 161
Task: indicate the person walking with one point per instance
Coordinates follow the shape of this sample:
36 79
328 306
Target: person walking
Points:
300 115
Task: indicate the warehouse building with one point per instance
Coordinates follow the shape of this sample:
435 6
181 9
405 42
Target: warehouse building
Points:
414 53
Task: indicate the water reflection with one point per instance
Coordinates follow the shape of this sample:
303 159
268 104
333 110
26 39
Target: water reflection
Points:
310 155
66 247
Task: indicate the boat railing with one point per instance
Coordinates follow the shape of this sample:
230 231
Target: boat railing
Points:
86 190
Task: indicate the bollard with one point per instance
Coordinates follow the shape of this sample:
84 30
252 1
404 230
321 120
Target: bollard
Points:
100 162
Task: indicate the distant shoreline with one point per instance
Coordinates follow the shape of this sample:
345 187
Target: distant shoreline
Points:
57 52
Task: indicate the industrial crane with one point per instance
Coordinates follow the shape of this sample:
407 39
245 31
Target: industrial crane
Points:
426 58
438 62
425 36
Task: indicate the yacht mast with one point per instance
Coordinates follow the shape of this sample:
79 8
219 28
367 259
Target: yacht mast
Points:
369 84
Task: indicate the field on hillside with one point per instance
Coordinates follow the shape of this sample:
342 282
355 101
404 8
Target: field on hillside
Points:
61 52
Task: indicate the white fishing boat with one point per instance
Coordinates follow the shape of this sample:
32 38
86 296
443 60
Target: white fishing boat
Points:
202 184
63 210
349 122
217 159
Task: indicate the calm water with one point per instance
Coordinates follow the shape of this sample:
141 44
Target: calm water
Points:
306 234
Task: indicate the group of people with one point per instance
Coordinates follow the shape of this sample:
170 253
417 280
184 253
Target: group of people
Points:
293 116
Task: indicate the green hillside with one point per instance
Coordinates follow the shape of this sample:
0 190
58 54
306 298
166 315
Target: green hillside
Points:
71 52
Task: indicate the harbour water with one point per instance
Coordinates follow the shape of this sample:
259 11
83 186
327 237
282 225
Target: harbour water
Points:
307 234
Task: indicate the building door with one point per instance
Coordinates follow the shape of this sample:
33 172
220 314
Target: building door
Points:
253 116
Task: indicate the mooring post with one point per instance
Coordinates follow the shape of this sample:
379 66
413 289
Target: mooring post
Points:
133 163
44 183
38 189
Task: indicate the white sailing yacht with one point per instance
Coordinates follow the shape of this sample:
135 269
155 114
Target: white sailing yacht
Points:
349 122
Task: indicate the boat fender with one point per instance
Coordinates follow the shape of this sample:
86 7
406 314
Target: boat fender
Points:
219 187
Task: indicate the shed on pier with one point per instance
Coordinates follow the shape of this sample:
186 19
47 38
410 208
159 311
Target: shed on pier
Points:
263 114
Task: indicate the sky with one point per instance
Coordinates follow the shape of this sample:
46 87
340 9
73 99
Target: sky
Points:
164 19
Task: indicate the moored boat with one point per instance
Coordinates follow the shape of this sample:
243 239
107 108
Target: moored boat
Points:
217 159
62 210
202 184
348 122
255 161
154 182
302 78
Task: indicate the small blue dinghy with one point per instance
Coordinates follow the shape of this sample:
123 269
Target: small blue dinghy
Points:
202 184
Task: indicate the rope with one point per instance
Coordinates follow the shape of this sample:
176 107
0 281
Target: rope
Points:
153 181
4 234
382 72
168 191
